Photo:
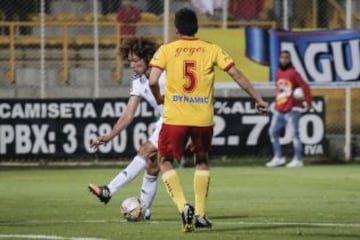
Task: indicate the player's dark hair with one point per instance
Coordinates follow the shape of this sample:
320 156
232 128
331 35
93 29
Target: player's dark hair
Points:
289 64
186 22
144 48
285 52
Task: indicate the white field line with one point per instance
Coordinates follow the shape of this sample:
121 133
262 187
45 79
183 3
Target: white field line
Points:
44 237
240 223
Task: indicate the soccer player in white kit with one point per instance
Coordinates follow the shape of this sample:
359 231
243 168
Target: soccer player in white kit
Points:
138 52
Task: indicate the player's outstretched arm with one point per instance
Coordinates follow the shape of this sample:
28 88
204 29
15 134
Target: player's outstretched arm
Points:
124 120
245 84
154 84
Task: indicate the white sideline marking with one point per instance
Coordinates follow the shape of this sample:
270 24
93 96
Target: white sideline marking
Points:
304 224
45 237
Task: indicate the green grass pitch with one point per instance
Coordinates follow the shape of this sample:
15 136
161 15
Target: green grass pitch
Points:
316 202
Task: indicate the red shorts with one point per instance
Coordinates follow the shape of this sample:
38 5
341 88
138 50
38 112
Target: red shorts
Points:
172 140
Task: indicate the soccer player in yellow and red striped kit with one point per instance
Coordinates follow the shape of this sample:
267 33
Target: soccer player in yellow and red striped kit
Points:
188 109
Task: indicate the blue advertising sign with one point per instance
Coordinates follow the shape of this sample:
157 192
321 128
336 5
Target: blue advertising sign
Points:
319 56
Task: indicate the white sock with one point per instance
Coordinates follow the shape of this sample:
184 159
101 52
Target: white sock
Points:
148 189
127 175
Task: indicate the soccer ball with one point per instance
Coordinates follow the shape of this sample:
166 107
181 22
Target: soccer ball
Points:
133 209
298 94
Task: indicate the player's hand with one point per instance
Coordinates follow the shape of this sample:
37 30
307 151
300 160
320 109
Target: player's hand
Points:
160 99
262 107
100 141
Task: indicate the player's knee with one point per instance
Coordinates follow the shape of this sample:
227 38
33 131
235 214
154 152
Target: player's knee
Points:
152 168
273 132
201 158
147 151
165 163
166 159
297 135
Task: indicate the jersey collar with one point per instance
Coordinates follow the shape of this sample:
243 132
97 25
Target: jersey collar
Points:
186 38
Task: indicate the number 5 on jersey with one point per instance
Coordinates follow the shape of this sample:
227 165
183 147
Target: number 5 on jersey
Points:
189 68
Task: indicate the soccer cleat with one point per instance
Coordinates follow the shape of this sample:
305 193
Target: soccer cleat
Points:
295 164
101 192
147 215
202 222
276 162
187 217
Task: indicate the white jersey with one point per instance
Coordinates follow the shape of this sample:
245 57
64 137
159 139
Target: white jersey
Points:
141 87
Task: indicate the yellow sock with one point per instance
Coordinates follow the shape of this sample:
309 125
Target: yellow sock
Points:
174 189
201 188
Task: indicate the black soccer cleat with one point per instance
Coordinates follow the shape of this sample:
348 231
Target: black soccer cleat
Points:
202 222
101 192
187 217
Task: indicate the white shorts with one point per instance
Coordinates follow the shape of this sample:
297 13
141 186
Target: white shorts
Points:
154 138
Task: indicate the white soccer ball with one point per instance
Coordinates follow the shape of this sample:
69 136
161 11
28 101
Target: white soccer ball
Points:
133 209
298 94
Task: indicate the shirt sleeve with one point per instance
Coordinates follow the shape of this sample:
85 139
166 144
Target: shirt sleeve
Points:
159 59
162 83
305 87
223 59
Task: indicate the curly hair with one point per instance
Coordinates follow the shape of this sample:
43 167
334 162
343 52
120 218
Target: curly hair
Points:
144 48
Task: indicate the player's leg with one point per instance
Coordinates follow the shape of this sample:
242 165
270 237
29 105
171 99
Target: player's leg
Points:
172 141
124 177
201 138
278 122
297 160
149 184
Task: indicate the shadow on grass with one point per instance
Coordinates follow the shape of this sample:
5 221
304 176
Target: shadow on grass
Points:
216 217
228 217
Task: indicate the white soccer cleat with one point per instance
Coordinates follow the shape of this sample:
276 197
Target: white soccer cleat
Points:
147 214
295 164
276 162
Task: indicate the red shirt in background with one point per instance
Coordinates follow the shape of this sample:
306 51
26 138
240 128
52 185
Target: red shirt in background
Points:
286 81
245 9
128 14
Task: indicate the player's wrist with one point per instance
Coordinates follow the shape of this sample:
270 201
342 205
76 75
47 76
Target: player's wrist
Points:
259 100
107 138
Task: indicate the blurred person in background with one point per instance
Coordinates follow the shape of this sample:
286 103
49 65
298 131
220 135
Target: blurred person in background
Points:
288 110
209 8
245 10
128 13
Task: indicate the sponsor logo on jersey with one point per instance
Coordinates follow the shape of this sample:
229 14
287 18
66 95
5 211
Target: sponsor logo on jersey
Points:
187 99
